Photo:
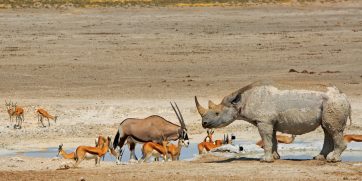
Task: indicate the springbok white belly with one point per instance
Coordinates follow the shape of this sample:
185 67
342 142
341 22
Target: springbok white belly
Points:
89 156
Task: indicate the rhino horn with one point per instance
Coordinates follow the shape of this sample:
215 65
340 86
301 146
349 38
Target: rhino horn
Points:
202 111
211 105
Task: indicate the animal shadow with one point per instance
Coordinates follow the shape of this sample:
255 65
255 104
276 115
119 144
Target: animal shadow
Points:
234 159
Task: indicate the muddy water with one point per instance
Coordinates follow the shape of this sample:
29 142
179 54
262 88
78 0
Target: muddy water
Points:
295 151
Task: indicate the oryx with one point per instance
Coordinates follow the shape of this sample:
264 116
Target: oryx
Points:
149 129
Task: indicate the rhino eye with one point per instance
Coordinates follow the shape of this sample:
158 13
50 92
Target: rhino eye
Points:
217 114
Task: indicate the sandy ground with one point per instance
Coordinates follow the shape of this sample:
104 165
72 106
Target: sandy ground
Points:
95 67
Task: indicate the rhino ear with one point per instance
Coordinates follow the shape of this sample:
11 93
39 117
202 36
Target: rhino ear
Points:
232 99
236 99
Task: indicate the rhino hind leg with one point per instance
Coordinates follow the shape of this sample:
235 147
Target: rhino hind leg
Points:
266 133
328 146
276 155
334 120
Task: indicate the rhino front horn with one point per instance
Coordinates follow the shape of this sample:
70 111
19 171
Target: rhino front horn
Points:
202 111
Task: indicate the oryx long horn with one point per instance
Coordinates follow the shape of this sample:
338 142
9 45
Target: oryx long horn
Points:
178 117
202 111
182 119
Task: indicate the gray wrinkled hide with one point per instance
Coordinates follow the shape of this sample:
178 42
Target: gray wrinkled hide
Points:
288 111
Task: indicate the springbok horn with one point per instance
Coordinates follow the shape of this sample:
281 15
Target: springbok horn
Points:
182 119
211 104
202 111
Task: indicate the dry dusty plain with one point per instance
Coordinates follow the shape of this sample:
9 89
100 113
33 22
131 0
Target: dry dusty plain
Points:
94 67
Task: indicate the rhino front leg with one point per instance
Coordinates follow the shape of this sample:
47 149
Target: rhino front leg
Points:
266 133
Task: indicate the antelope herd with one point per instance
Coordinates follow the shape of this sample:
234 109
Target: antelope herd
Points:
18 112
155 132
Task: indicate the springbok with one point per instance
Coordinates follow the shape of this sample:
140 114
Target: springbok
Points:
98 142
175 151
41 113
19 115
154 149
352 137
280 138
210 144
10 110
149 129
95 152
64 154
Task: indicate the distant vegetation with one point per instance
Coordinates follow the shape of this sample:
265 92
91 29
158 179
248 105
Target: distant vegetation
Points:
142 3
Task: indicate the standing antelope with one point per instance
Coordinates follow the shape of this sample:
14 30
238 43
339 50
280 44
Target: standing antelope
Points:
41 113
10 109
175 151
352 137
154 149
83 152
19 115
149 129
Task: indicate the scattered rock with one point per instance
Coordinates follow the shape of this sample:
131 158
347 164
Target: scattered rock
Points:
331 72
304 72
293 70
55 159
16 159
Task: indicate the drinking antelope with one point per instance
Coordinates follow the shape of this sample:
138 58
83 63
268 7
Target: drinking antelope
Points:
352 137
154 149
64 154
210 144
280 138
98 142
83 152
41 113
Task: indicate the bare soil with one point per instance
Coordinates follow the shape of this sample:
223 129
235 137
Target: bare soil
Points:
95 67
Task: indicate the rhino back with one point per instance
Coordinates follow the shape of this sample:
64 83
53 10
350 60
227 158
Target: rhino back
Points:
292 111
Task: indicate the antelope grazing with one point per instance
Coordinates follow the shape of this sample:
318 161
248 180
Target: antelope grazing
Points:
154 149
352 137
210 144
149 129
64 154
85 152
98 142
175 151
41 113
280 138
19 115
10 109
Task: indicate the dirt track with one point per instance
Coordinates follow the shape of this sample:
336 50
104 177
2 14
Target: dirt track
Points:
95 67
